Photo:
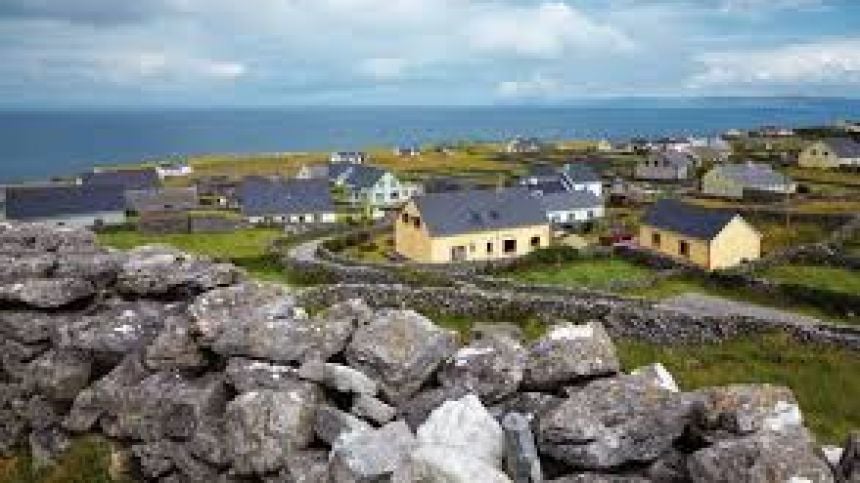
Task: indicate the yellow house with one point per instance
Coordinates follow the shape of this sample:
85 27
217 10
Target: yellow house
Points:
711 239
830 153
476 225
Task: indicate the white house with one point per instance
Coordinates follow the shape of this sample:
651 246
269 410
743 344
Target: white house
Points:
581 177
173 170
291 201
351 157
570 207
369 185
67 205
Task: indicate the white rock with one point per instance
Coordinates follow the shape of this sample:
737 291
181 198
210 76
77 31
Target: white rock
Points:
785 415
443 464
467 428
661 376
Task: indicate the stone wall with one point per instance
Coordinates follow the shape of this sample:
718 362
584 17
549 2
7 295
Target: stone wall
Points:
195 373
622 317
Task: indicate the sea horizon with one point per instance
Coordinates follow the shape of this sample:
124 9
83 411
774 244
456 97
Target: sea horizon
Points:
47 142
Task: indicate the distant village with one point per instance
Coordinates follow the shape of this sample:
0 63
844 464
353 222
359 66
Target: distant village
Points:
691 191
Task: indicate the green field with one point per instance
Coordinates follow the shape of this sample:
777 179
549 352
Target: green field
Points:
245 248
86 461
826 278
826 381
592 273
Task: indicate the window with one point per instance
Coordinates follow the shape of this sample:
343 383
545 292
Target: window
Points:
458 253
509 246
471 248
405 218
395 195
589 214
489 247
535 242
655 239
417 222
684 248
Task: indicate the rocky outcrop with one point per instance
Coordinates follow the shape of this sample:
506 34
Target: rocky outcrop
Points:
200 375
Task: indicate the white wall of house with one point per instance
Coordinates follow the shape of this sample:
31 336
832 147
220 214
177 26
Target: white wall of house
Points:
576 215
295 218
595 187
387 191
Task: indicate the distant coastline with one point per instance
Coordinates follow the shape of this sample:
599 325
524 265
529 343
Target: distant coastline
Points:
44 143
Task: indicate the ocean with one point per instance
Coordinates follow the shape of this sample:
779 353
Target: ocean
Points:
41 144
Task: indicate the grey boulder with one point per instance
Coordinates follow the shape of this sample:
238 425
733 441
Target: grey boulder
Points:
247 375
262 321
263 427
569 352
338 377
372 409
370 456
159 271
522 463
492 367
612 422
848 468
330 423
60 374
104 395
401 349
762 457
51 293
741 409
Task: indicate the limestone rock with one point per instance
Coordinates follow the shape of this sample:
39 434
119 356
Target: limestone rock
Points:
265 426
372 409
262 321
740 409
104 395
762 457
46 445
338 377
849 464
659 374
165 405
174 347
467 428
370 456
570 352
441 464
491 367
612 422
416 410
159 271
401 349
522 463
330 423
248 375
60 374
50 293
116 329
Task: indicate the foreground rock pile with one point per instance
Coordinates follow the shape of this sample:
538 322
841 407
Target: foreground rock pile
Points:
198 374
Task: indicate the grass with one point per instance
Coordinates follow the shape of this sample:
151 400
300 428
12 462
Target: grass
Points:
246 248
531 328
87 461
826 278
777 236
825 380
593 273
373 251
825 176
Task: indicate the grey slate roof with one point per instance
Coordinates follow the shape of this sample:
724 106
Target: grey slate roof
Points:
263 196
752 174
35 202
580 173
844 147
471 211
568 200
162 199
548 186
674 158
693 221
355 175
128 179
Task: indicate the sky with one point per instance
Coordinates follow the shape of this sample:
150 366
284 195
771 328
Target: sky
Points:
424 52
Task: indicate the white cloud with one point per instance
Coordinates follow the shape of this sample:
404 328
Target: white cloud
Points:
755 6
383 68
124 67
537 86
548 30
826 62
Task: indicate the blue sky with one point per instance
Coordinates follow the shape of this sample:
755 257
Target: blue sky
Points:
343 52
